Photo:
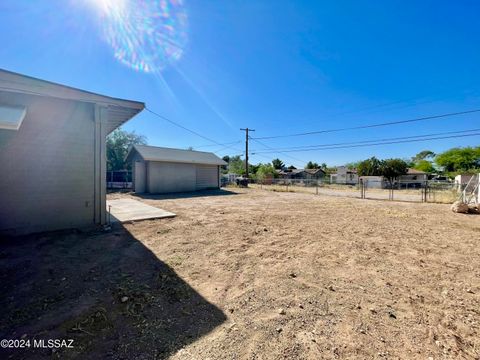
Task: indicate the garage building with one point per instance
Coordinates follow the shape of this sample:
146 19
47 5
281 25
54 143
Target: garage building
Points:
52 153
159 170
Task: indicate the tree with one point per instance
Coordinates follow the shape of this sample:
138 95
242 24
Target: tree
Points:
369 167
265 171
118 144
459 159
312 165
324 166
423 155
224 168
330 170
425 166
392 169
236 165
352 165
252 169
278 164
291 167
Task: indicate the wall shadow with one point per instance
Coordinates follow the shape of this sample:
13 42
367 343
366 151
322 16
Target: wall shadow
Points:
106 291
183 195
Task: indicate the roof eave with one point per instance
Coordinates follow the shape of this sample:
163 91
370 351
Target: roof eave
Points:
119 111
118 115
15 82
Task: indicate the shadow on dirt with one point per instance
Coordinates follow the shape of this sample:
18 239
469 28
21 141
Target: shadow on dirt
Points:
106 291
184 195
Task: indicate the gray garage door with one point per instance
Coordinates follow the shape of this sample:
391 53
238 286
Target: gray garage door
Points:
207 177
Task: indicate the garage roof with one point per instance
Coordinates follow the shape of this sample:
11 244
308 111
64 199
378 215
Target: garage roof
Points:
154 153
118 110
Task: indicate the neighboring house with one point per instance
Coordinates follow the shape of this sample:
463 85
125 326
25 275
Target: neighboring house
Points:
159 170
413 178
290 173
314 174
53 154
302 174
344 175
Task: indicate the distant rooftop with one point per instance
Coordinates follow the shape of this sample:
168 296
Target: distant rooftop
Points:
411 171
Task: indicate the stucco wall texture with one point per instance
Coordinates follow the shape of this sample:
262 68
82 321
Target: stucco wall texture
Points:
48 177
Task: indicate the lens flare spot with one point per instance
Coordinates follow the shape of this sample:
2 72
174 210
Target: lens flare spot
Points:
144 35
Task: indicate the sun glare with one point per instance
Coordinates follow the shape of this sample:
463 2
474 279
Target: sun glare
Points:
106 6
145 35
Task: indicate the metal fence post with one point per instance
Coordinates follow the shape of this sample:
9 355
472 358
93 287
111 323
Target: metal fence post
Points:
425 192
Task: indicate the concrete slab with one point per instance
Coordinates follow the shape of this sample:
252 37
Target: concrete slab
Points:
123 210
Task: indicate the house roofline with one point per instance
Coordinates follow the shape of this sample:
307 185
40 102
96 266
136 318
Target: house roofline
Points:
118 111
34 86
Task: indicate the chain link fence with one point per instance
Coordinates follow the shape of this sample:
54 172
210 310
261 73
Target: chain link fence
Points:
119 179
418 191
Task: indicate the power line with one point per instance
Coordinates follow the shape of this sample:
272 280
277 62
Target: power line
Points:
306 147
182 127
268 147
372 125
212 145
383 143
229 147
265 157
194 132
340 145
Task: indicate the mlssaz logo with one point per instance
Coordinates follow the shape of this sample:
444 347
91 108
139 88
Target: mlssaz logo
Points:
53 343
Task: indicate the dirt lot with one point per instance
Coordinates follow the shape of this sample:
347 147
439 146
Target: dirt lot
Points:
252 274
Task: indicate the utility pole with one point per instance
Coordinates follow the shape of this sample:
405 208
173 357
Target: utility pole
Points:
246 149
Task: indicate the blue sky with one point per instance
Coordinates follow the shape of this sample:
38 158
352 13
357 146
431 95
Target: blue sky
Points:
276 66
